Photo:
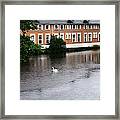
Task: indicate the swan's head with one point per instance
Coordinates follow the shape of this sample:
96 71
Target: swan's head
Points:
52 67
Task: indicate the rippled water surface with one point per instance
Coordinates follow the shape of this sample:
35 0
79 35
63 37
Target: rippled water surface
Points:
78 77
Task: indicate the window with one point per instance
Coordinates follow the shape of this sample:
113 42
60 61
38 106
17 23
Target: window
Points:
62 27
91 27
76 27
73 37
79 37
32 37
40 38
62 35
79 26
65 26
56 35
47 27
68 27
47 38
40 27
56 26
67 36
99 36
96 27
90 37
94 34
73 26
86 26
85 37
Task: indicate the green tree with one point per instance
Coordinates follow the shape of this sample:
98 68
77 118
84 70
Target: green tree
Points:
86 21
27 25
27 47
57 46
70 21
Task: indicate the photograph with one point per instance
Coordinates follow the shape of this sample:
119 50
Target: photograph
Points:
60 59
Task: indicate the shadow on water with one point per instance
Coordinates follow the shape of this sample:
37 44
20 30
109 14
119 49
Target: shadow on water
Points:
57 55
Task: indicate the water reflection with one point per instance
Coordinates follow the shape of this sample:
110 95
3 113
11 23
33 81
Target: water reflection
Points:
78 71
44 61
84 57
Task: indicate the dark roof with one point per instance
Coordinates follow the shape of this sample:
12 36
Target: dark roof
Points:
65 22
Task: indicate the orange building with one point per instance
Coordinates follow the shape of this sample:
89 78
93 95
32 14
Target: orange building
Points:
76 33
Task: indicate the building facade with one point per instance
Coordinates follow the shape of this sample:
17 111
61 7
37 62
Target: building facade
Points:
76 34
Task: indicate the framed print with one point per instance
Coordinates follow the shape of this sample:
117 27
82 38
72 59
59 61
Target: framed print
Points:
60 59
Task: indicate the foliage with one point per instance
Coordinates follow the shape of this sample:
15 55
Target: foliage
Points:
57 46
28 24
96 47
28 48
86 21
70 21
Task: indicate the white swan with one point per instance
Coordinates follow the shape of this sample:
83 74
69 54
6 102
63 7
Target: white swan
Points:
54 70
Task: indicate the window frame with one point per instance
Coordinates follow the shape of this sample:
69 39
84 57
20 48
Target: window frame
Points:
75 37
90 39
46 38
39 39
48 27
79 33
85 38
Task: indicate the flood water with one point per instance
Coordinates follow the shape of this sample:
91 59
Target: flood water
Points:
78 77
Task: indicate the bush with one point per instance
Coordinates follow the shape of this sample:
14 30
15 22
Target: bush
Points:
96 47
28 48
57 46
